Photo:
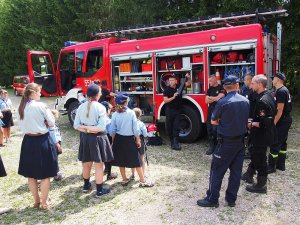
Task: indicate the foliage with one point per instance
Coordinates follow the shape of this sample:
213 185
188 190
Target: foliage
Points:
46 25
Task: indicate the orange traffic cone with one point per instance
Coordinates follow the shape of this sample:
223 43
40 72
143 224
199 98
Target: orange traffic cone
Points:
218 76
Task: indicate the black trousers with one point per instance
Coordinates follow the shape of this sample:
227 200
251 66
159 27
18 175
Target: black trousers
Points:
173 122
259 160
282 128
211 129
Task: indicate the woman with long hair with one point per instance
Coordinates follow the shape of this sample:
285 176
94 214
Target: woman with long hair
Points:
38 159
94 145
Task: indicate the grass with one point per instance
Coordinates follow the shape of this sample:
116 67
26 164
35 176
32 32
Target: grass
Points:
181 178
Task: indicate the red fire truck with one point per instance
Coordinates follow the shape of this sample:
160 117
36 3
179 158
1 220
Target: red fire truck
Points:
141 68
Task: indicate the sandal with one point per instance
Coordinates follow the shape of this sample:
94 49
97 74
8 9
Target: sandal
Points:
131 177
44 207
112 176
36 205
146 184
125 183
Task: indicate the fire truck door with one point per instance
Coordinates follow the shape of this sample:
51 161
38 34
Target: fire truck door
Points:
41 71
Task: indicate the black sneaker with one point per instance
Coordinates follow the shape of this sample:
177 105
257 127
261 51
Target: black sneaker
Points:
231 204
87 187
205 203
102 192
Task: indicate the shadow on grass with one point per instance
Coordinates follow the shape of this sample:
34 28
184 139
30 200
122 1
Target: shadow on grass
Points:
54 184
72 201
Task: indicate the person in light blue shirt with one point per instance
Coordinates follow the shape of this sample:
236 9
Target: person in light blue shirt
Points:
126 141
143 134
94 145
108 166
55 137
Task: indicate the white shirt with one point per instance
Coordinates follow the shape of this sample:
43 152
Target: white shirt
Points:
35 115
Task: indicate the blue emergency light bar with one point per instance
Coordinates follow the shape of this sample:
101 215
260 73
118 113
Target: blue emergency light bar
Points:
70 43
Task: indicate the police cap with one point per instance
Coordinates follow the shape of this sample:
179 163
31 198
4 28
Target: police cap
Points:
231 79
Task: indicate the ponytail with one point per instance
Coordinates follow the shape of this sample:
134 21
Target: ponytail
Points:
30 88
120 108
88 107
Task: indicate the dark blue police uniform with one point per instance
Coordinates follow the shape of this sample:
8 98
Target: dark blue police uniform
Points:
232 113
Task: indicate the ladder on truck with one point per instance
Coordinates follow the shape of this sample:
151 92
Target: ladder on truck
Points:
220 20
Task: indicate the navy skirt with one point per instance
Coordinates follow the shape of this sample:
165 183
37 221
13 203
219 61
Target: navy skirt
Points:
2 169
7 119
38 157
94 148
126 153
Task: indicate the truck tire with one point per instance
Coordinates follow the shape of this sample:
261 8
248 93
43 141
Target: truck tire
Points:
191 127
16 93
72 111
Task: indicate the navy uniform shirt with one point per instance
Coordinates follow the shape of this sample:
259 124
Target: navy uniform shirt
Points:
213 92
265 108
233 112
282 95
177 102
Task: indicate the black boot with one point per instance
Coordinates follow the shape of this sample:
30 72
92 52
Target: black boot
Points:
272 163
171 142
211 148
281 161
259 187
248 175
176 146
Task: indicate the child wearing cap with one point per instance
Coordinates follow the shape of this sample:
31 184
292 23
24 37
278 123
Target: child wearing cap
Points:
143 134
94 145
107 170
126 141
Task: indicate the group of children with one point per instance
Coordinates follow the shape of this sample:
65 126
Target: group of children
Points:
107 142
113 139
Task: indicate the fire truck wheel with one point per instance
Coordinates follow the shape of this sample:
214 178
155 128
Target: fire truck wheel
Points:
191 126
72 111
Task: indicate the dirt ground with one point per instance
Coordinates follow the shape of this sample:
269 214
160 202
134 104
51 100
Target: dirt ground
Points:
180 179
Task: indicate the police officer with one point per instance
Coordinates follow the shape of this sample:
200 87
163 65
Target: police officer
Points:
231 116
213 95
283 121
173 101
262 135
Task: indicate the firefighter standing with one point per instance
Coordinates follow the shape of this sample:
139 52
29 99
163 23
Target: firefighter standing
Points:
173 101
262 135
231 115
213 95
248 93
283 121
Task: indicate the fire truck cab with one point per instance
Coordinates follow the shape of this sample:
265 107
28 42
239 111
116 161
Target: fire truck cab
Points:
141 69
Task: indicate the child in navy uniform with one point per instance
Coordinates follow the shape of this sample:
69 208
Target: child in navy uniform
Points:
143 134
107 170
126 141
94 145
55 136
